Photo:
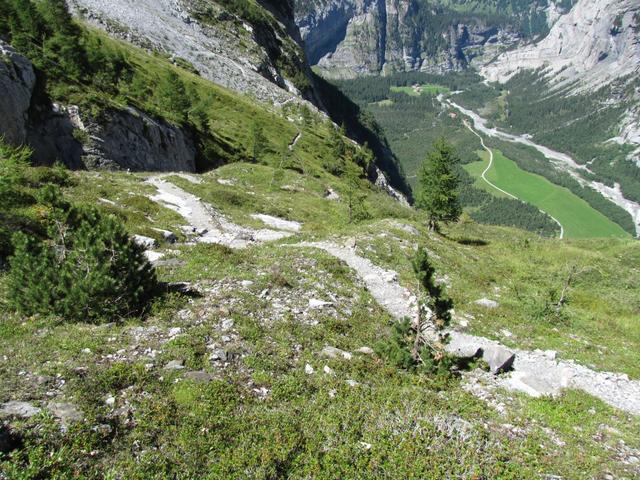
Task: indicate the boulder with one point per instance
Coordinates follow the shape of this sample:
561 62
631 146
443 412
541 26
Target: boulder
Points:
333 352
66 412
498 358
153 256
145 242
485 302
365 350
174 365
331 194
19 410
167 236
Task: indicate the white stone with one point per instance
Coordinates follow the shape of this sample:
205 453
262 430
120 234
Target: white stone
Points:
175 331
316 304
485 302
278 223
145 242
308 369
153 256
365 350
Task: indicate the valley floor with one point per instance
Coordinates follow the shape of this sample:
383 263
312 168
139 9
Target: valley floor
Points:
265 369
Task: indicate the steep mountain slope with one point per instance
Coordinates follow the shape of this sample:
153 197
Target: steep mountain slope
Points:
268 364
113 91
595 44
244 49
352 37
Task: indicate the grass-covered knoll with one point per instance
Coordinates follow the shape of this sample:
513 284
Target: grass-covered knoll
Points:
576 216
416 90
252 411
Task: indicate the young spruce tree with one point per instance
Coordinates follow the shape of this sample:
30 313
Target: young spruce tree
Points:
438 191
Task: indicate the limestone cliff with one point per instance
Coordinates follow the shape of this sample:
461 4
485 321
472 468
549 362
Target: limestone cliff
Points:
346 38
596 44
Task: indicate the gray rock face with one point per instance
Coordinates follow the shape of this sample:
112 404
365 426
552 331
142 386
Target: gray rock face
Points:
130 139
346 38
17 80
597 42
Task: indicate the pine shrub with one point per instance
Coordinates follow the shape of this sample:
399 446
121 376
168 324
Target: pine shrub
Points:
89 270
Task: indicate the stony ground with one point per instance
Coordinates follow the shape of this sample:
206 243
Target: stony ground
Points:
290 322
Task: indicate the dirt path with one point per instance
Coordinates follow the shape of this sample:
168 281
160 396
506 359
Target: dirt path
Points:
484 173
534 372
206 222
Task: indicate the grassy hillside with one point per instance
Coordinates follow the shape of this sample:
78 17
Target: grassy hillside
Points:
258 413
576 216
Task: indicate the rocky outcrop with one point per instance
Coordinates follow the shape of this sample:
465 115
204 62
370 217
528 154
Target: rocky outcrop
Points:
131 139
120 139
346 38
17 80
382 183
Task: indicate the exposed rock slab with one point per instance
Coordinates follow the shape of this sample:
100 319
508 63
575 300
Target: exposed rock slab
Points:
278 223
19 410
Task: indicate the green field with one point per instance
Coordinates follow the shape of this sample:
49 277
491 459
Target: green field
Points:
576 216
424 89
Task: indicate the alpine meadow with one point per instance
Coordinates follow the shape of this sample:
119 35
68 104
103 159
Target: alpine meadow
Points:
319 239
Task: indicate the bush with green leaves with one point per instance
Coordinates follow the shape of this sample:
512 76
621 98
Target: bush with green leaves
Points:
88 270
